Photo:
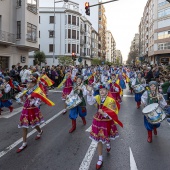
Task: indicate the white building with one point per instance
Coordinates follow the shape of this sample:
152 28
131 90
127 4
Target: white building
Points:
110 47
18 31
66 35
119 58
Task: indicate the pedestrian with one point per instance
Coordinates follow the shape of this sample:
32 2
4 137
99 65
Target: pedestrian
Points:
31 115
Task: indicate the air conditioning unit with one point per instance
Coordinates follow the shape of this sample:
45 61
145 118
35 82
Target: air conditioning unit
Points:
23 59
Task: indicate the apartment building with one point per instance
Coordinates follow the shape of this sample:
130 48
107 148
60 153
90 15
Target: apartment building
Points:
102 32
154 32
135 43
72 33
110 47
94 44
18 31
119 57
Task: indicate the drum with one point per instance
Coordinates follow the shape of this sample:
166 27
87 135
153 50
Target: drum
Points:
154 113
138 88
73 101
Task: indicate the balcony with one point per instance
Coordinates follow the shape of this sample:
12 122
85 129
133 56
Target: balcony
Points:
32 8
7 38
31 38
81 42
82 54
82 30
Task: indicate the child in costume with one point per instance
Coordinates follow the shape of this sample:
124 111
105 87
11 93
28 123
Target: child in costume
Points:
31 115
137 81
7 92
149 97
103 127
80 110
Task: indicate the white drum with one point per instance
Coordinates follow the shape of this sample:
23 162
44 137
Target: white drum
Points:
154 113
138 88
73 101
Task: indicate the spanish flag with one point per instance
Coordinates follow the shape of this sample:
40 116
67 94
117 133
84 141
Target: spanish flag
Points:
111 107
47 80
40 94
126 77
62 83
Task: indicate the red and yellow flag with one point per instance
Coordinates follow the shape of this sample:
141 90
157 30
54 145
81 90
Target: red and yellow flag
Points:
111 107
126 77
40 94
47 80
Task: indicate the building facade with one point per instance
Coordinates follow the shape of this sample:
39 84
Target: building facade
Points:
102 32
110 47
72 34
119 58
94 44
18 31
154 32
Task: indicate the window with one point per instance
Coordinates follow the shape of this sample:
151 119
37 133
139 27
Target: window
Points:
51 19
39 47
77 48
39 34
73 48
18 29
162 3
51 34
73 20
77 21
65 19
77 35
85 27
39 19
164 12
69 48
0 21
85 39
73 34
69 33
18 3
31 32
51 48
32 6
164 34
69 19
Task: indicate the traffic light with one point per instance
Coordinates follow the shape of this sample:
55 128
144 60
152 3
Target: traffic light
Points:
73 56
87 8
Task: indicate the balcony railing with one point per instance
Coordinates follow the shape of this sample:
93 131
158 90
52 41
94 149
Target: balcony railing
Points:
81 42
82 30
31 38
7 37
32 8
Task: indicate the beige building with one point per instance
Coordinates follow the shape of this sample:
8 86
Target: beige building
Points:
110 47
94 44
102 32
119 58
135 43
18 31
154 32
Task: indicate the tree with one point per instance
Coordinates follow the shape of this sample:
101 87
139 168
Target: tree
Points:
65 60
117 61
39 57
96 61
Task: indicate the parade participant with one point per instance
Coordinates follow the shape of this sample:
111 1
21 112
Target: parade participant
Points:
31 115
138 81
79 89
103 127
115 89
97 81
121 79
152 96
7 92
131 75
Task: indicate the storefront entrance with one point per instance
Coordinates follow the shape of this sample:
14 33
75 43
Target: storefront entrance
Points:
4 63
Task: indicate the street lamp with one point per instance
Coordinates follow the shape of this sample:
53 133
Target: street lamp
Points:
54 28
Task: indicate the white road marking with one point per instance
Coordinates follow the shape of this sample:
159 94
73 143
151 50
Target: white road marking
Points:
9 148
133 165
89 129
55 91
89 154
88 157
125 95
8 114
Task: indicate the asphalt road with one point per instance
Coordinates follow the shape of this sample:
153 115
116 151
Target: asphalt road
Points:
59 150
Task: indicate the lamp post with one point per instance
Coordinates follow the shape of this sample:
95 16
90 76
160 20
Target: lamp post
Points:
54 28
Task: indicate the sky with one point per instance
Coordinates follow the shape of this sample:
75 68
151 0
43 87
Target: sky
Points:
123 19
